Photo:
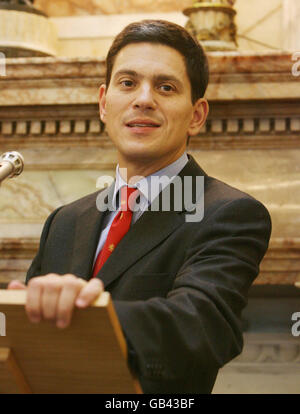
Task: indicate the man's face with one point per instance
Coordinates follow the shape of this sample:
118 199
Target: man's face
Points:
147 107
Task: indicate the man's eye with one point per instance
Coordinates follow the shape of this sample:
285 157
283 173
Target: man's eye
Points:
126 83
167 88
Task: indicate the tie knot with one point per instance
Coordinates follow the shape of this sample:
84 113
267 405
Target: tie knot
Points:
128 198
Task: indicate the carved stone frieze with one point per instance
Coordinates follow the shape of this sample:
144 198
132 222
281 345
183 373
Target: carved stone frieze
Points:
236 132
269 364
275 352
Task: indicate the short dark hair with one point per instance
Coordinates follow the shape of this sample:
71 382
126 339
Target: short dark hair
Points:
169 34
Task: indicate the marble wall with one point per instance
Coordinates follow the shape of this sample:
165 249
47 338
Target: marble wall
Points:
87 28
291 26
88 7
48 112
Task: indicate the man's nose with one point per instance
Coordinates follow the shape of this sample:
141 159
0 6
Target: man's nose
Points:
145 98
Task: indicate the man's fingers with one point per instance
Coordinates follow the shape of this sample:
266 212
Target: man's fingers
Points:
67 298
16 284
89 293
53 297
33 301
50 296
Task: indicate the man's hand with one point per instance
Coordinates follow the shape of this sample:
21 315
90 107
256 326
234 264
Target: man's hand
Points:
53 297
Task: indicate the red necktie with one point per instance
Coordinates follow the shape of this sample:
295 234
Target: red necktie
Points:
118 228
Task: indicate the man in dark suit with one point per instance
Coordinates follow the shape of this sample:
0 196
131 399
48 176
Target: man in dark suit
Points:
178 276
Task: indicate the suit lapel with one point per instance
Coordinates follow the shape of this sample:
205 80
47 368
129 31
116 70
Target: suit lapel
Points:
87 233
150 230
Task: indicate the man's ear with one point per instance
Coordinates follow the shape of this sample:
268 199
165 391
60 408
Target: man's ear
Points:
201 109
102 102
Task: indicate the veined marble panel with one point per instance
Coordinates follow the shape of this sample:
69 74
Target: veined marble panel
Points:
291 16
78 7
31 197
271 176
234 76
62 176
86 92
101 27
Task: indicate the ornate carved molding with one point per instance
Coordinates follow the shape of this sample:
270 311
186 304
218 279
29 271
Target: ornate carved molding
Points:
268 349
265 125
269 363
18 248
281 264
265 354
255 133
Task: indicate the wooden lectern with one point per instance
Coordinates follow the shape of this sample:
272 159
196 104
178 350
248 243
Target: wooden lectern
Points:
87 357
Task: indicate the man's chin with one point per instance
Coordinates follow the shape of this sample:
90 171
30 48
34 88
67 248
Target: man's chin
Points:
143 154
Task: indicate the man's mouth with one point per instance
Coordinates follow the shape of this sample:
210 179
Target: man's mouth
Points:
142 124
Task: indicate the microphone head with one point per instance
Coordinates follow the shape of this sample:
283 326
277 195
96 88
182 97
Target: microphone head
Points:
15 159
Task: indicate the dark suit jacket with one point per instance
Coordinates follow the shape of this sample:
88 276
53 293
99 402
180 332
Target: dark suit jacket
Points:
178 287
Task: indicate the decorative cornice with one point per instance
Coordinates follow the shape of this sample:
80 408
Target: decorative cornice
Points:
18 248
219 133
281 264
268 64
231 125
53 68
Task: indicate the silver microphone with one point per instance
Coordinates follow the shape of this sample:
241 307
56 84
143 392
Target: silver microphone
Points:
11 164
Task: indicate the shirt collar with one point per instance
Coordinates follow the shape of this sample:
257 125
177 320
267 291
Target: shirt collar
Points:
144 184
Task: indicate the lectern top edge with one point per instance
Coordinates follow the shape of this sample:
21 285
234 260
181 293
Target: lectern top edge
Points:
18 297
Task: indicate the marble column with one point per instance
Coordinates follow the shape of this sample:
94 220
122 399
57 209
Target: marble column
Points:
25 31
291 24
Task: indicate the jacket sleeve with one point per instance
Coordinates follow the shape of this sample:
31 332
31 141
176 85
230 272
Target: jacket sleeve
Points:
197 327
35 267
